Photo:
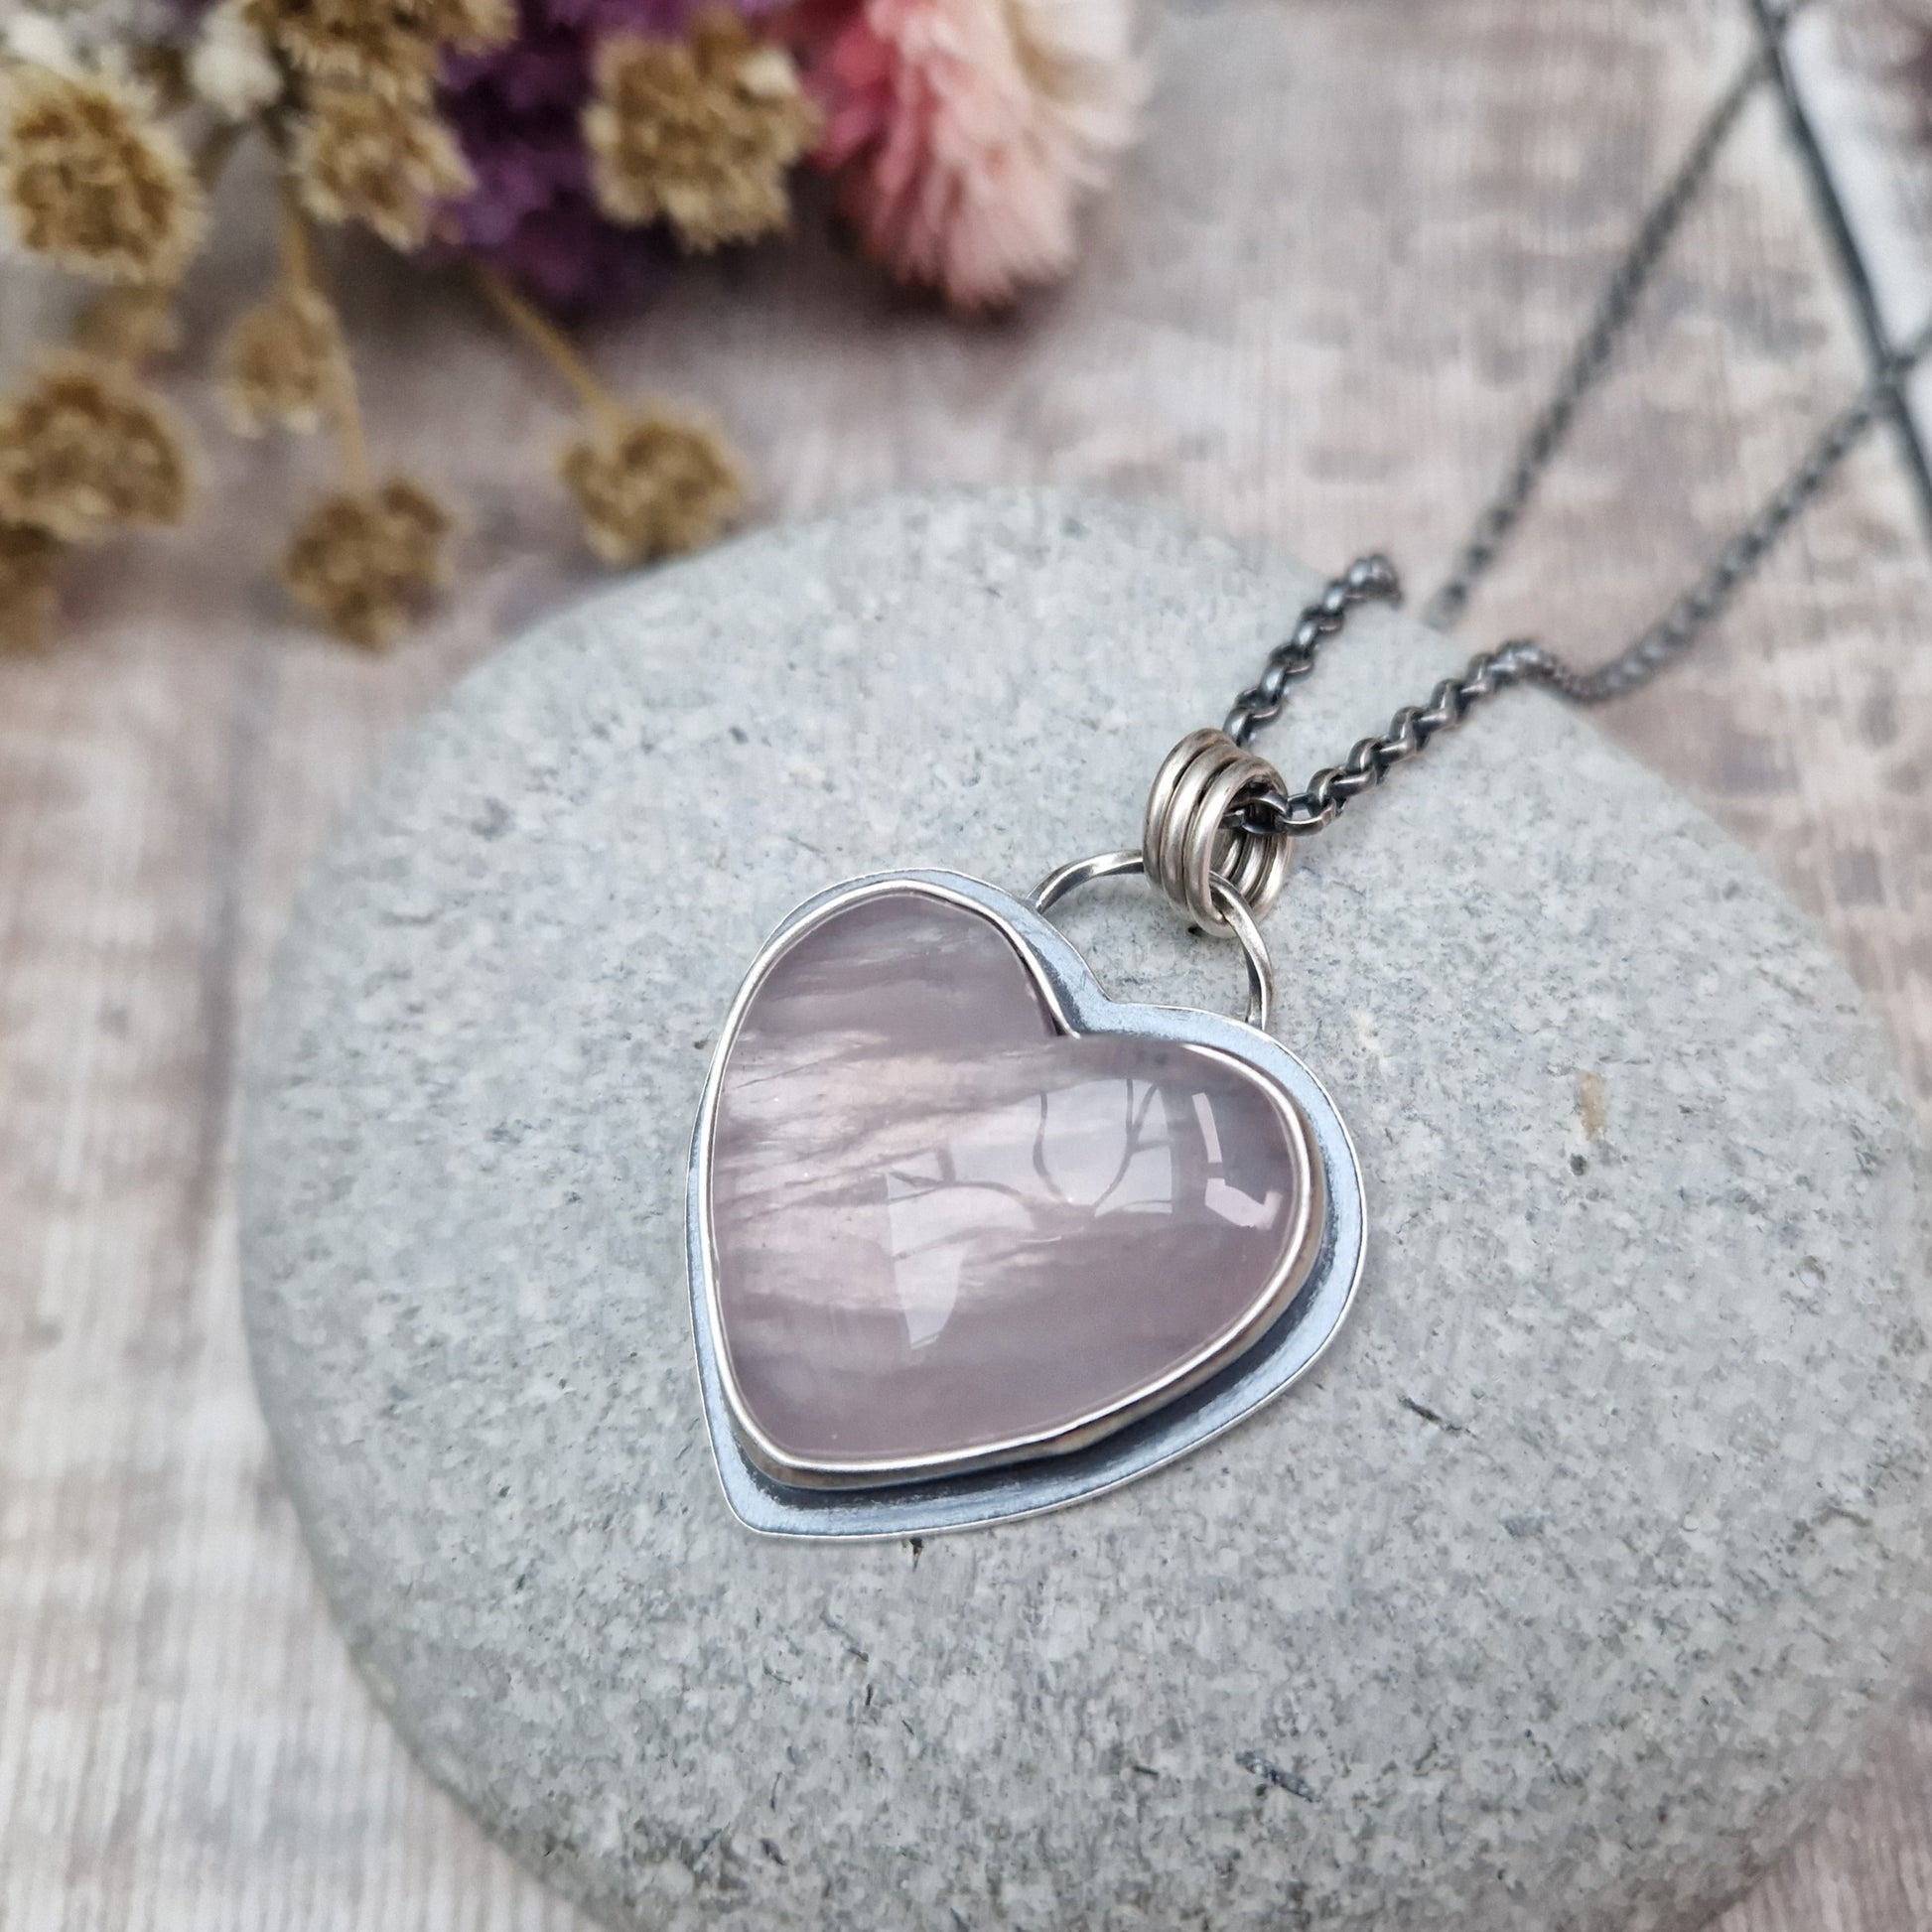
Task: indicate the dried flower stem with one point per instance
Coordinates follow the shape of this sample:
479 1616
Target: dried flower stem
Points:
163 72
551 344
303 274
129 324
298 247
218 146
352 440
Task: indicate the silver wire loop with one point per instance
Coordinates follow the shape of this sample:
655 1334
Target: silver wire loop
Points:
1194 838
1233 909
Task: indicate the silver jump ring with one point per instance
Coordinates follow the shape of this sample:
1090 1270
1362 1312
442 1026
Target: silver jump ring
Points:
1234 916
1186 840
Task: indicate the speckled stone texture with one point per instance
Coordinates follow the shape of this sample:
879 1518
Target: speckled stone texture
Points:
1553 1603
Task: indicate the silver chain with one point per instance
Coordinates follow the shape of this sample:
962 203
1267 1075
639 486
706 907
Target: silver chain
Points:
1294 658
1665 641
1614 309
1271 813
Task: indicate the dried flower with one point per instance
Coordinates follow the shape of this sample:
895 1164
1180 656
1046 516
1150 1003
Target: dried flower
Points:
363 559
230 66
128 324
969 132
283 362
518 114
83 36
698 132
464 26
518 111
391 48
358 157
650 483
85 448
368 44
28 557
92 181
41 40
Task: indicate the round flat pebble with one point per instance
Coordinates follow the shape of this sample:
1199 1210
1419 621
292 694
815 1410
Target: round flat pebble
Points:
1555 1600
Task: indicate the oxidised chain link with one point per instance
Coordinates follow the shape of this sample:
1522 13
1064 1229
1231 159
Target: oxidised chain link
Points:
1292 658
1613 312
1667 639
1296 814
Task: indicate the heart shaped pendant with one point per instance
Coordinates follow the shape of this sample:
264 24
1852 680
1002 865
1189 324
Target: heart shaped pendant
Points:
969 1240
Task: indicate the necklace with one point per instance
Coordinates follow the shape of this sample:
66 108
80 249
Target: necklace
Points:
969 1240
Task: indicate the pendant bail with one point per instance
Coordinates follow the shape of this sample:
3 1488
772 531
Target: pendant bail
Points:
1189 843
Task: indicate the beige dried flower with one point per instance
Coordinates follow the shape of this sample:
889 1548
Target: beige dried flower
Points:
28 559
464 26
383 163
85 450
282 362
92 181
231 64
368 46
41 41
88 36
128 324
650 483
363 559
697 132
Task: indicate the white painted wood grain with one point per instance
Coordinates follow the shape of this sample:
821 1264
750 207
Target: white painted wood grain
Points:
1865 67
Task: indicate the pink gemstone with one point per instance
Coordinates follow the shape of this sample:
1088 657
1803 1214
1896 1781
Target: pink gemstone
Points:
946 1231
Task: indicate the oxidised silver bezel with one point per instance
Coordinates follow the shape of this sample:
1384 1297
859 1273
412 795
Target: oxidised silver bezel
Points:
1278 1339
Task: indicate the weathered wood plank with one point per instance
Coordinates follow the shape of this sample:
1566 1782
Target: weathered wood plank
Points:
1332 288
1869 1866
1864 70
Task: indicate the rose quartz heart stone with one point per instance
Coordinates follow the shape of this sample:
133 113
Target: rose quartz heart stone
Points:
945 1228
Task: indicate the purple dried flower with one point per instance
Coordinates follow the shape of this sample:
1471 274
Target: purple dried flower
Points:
664 18
518 113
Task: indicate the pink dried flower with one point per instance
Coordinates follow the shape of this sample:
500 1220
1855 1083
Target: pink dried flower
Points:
967 131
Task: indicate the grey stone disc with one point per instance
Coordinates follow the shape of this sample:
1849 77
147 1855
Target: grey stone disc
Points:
1552 1602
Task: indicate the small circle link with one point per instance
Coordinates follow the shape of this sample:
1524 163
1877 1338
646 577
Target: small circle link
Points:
1234 910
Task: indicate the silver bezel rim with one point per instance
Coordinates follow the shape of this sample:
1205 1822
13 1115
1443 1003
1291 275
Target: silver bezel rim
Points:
1306 1300
879 1473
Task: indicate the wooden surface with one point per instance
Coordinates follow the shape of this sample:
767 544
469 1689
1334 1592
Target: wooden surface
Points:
1330 292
